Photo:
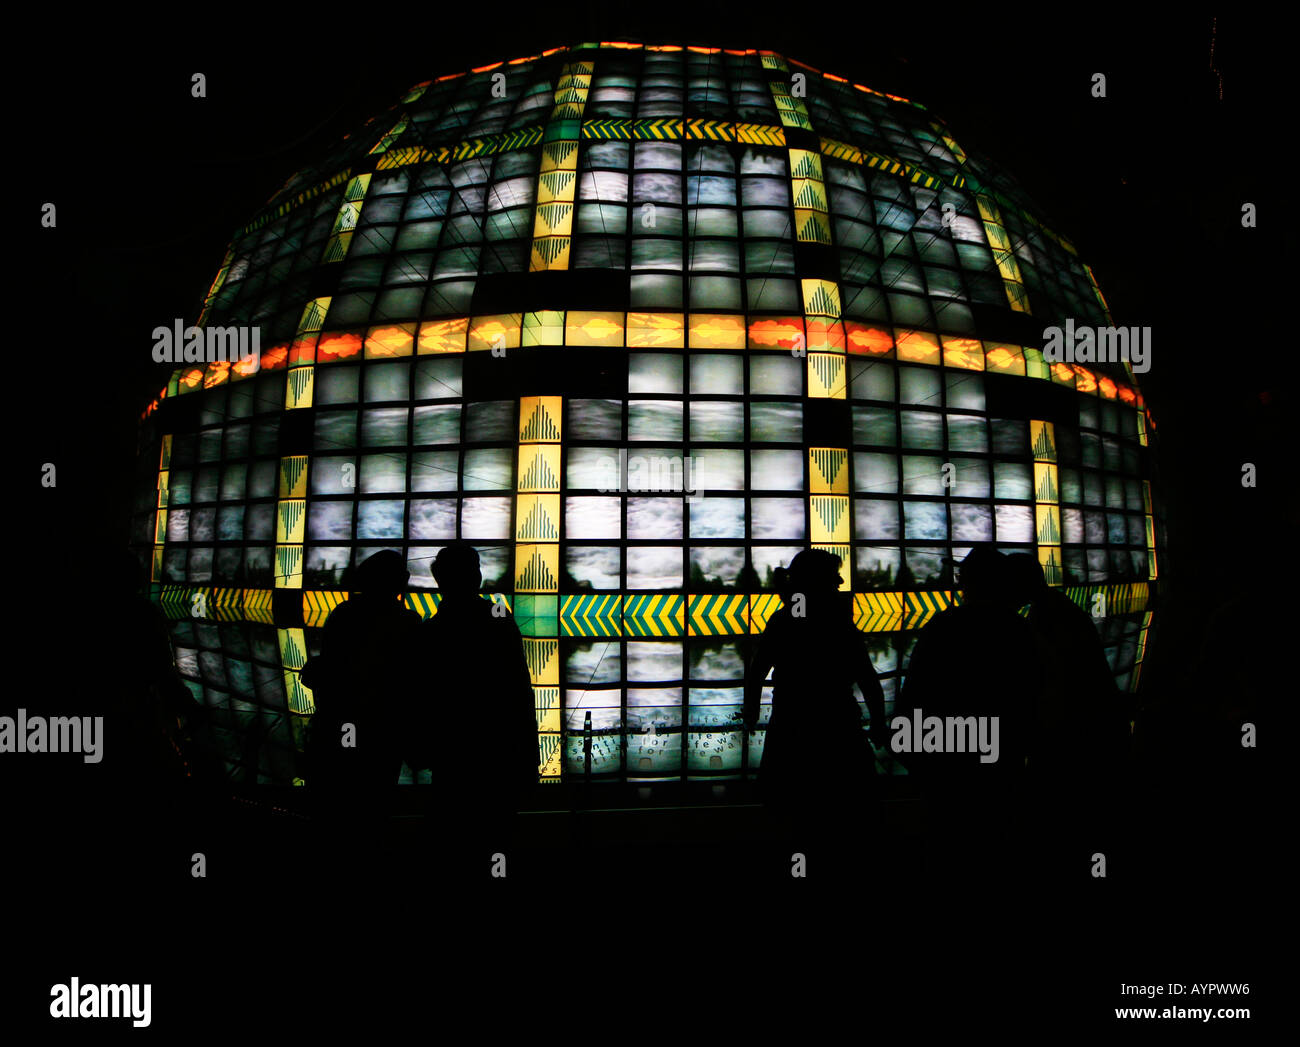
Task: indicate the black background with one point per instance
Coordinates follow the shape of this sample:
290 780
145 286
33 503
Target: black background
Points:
150 184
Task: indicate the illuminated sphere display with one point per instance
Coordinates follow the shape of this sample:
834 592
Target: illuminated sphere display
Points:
640 323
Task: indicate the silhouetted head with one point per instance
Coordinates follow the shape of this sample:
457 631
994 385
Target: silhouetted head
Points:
813 572
1025 580
982 576
383 574
456 569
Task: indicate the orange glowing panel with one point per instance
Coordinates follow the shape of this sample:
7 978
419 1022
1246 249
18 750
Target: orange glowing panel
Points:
776 333
390 340
717 331
837 79
664 47
191 379
1087 381
443 336
586 328
1062 374
1005 359
1108 387
494 332
302 350
218 374
338 345
869 341
705 50
1126 394
276 357
487 68
245 368
917 347
967 353
656 331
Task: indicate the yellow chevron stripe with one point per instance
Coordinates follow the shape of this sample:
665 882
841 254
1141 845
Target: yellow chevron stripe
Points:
878 612
761 608
257 605
317 605
423 604
717 615
758 134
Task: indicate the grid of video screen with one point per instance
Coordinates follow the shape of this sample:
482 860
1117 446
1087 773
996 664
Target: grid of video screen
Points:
409 445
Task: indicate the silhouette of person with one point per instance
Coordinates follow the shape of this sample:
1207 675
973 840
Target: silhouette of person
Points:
1081 720
817 765
1079 733
480 729
361 683
977 659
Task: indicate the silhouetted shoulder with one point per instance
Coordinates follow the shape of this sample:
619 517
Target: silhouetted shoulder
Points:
780 620
342 614
1062 608
948 620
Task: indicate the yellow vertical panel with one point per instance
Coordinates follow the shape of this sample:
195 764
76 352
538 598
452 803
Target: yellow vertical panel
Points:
539 468
1042 441
1047 524
537 568
830 519
1046 488
827 375
1049 559
539 419
299 386
828 470
537 518
288 566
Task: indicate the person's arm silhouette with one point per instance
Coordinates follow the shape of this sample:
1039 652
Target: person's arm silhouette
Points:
522 712
864 675
918 686
759 666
